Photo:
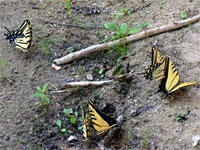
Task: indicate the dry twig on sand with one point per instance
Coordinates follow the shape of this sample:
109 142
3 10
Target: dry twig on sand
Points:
85 84
100 47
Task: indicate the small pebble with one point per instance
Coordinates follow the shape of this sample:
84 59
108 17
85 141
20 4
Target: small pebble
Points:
72 138
89 77
56 67
195 140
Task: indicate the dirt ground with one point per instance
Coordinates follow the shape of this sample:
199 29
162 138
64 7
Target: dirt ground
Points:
24 126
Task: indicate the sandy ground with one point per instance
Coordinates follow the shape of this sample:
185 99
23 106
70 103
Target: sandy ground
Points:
23 127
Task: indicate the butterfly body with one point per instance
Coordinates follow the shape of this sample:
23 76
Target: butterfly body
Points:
22 37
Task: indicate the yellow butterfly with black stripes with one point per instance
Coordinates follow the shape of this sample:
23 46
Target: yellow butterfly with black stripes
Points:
85 126
102 122
22 37
157 67
171 82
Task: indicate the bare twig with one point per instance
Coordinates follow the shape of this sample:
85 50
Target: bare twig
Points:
53 86
59 91
100 47
124 77
72 25
85 84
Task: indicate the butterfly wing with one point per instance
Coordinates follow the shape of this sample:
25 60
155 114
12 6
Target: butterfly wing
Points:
159 73
85 126
172 76
157 67
157 57
182 85
101 121
171 82
23 42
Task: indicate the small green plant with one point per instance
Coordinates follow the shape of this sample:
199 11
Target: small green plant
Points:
100 95
3 65
101 73
30 147
46 47
130 133
181 117
122 31
72 118
118 70
146 140
122 10
59 124
161 4
149 92
79 22
44 99
183 15
68 7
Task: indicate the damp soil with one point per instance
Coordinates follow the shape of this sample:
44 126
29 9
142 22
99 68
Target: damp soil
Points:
149 118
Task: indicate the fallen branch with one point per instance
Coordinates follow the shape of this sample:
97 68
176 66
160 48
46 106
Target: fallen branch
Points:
100 47
85 84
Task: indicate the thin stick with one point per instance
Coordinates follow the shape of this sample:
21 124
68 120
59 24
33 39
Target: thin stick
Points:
72 25
100 47
53 86
85 84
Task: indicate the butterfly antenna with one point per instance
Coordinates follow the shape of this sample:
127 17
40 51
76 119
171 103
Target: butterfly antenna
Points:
7 29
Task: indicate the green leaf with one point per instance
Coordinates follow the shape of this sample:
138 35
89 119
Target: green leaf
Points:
111 26
106 38
46 47
133 30
123 28
67 5
100 95
63 130
38 103
76 114
35 94
59 123
116 37
4 63
45 87
80 128
72 119
144 24
66 119
183 15
101 76
119 33
100 71
46 99
66 111
121 8
38 88
117 16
